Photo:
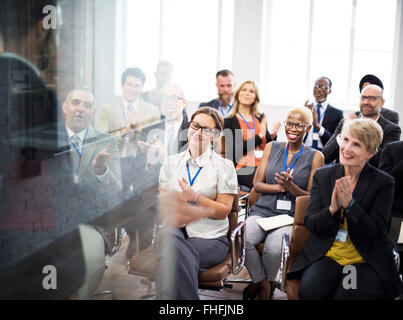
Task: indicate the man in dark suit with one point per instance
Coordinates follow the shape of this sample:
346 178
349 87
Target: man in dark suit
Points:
371 103
325 117
225 85
162 139
392 163
386 113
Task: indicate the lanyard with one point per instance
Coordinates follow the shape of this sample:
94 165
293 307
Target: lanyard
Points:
253 118
221 109
286 156
191 181
82 147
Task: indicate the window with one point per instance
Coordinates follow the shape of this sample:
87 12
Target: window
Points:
343 40
194 35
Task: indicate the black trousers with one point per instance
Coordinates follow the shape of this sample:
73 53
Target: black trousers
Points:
324 280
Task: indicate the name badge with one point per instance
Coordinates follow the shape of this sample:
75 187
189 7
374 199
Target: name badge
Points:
76 179
283 205
341 235
315 136
258 154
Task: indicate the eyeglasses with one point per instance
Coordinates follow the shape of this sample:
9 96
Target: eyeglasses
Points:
299 126
205 130
323 87
76 102
370 98
173 98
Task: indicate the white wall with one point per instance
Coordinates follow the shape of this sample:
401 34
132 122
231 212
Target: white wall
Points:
104 51
248 19
398 81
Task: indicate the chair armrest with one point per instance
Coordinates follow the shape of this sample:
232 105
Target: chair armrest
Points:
396 258
245 197
285 253
238 263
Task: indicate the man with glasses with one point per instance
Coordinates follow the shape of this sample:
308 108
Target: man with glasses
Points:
165 138
325 117
225 85
170 136
371 103
386 113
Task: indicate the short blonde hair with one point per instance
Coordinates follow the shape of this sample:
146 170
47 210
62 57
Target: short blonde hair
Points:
368 131
304 112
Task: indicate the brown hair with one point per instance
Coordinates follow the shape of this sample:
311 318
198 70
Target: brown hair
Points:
224 73
213 113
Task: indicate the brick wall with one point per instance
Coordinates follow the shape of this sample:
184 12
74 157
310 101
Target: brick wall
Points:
37 210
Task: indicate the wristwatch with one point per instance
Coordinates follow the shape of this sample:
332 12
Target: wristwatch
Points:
350 205
196 202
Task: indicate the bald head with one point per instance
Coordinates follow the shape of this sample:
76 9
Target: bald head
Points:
372 88
371 101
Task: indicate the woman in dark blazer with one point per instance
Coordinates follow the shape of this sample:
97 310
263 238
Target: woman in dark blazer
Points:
245 132
349 254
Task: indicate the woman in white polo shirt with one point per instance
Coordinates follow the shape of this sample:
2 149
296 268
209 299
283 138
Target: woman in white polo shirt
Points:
205 179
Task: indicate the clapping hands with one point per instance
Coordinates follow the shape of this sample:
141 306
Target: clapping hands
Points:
342 194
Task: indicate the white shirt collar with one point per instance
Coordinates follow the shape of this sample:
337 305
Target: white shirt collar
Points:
81 134
201 160
377 118
134 103
176 125
227 106
324 105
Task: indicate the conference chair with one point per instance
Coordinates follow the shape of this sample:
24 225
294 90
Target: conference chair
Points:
145 263
291 246
113 241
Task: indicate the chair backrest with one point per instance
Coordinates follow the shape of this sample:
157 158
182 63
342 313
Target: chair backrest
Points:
299 236
300 233
221 147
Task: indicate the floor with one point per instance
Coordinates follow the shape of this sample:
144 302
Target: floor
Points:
130 287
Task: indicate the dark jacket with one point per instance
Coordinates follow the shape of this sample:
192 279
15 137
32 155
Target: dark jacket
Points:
391 132
392 163
368 222
213 103
330 122
390 115
159 129
235 146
